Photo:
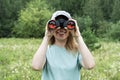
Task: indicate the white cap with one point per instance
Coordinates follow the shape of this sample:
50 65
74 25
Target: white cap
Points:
58 13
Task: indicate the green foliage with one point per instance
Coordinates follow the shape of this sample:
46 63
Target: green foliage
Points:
104 27
72 6
32 20
93 9
89 37
115 16
18 55
114 31
107 6
8 14
18 19
83 22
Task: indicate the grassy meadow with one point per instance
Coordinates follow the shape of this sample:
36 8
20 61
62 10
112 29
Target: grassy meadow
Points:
16 56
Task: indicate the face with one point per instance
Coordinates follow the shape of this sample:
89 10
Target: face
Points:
61 34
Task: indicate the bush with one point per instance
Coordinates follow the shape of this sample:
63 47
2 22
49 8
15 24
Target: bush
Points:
83 22
32 20
103 29
90 39
114 31
9 14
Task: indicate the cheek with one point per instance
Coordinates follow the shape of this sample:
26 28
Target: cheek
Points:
67 34
55 34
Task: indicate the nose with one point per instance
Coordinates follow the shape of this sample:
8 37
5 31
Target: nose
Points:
61 28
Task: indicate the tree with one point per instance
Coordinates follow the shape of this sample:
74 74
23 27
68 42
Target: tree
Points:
75 7
107 6
115 16
114 32
92 8
8 14
32 20
89 37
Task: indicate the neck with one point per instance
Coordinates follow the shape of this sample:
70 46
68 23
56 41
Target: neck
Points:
60 43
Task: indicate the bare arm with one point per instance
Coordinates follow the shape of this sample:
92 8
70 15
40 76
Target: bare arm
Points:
87 58
39 57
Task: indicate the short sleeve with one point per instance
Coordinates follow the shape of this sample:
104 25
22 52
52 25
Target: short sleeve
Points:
79 61
45 65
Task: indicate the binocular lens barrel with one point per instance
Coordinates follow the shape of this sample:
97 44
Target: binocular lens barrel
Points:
71 24
52 24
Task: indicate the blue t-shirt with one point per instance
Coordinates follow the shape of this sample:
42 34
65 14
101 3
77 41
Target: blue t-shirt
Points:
61 64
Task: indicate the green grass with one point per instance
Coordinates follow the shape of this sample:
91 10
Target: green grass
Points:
107 63
16 56
15 59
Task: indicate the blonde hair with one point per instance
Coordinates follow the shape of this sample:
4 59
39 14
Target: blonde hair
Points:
71 44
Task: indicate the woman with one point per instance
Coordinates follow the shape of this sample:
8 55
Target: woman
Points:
62 52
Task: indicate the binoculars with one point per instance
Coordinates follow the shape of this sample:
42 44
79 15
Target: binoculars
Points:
62 23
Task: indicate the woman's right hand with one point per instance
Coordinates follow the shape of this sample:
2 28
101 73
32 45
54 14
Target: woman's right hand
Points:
48 32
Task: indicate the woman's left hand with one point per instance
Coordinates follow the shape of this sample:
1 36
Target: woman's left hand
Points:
75 33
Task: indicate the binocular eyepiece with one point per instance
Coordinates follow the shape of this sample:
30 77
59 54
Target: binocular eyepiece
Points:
62 23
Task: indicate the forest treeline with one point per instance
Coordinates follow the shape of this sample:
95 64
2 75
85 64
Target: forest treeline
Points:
27 18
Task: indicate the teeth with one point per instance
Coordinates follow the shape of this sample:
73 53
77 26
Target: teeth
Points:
61 33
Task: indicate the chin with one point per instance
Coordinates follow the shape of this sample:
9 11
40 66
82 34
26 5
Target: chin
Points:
61 38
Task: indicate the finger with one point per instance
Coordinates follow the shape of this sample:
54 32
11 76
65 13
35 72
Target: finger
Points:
47 28
58 27
65 28
75 24
71 31
52 31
